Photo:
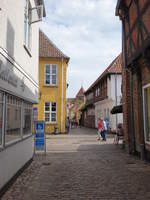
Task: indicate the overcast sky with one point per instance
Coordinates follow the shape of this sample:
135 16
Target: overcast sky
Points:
88 32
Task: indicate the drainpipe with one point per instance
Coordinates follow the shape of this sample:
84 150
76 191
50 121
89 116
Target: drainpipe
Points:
142 143
62 93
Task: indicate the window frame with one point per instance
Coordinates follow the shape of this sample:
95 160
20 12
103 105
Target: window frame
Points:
27 26
3 120
21 137
144 113
50 74
50 112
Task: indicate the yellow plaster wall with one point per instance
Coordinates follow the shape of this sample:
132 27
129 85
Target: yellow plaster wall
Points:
52 93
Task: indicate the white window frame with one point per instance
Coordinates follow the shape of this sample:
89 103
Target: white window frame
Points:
144 113
3 120
27 24
4 117
24 104
50 74
50 112
6 104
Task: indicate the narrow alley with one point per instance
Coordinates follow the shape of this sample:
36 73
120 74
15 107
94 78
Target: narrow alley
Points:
77 166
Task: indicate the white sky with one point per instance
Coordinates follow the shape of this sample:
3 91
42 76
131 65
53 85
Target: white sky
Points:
88 32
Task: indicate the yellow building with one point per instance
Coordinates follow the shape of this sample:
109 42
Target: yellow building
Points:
52 85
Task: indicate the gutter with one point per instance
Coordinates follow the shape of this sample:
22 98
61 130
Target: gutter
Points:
62 93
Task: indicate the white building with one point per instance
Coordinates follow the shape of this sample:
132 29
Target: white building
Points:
108 93
19 38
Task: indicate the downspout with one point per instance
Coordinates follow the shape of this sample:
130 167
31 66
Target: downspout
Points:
62 93
142 140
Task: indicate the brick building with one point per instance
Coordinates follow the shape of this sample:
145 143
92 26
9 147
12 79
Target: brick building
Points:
74 105
135 17
103 95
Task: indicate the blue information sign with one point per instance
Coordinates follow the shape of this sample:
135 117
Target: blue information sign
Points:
39 135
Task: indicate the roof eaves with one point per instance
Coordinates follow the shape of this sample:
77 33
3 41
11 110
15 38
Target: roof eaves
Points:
105 73
62 55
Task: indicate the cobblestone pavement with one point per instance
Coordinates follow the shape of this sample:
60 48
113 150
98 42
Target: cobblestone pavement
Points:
78 167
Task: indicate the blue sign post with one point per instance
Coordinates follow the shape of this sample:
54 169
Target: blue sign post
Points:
40 142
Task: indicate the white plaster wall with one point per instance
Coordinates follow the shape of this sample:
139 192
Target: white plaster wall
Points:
99 112
13 158
110 102
109 87
24 68
118 78
12 38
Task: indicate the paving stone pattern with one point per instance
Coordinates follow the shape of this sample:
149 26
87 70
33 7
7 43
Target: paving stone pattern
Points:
78 167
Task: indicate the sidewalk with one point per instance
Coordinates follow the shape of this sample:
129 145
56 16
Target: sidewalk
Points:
77 166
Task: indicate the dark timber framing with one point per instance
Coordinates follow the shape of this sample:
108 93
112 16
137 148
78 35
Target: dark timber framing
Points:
134 49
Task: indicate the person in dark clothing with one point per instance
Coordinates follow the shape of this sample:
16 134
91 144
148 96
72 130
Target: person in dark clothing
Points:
67 124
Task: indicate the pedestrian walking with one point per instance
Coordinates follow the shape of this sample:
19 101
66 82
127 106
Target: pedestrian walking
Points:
99 127
104 130
67 124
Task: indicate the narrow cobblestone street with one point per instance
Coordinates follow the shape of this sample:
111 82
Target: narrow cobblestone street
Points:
77 166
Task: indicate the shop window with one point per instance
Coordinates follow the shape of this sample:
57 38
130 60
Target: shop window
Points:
50 74
27 24
1 116
13 119
50 111
147 113
27 118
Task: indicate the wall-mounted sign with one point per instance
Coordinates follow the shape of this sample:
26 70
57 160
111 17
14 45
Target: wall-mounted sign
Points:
15 80
40 143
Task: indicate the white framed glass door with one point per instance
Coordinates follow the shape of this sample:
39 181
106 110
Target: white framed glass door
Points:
146 105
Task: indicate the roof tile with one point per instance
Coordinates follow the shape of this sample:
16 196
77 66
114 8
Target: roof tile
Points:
48 49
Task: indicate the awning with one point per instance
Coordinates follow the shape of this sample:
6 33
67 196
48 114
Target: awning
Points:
116 109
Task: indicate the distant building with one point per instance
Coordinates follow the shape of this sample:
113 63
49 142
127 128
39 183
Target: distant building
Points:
74 105
52 85
135 17
19 44
103 94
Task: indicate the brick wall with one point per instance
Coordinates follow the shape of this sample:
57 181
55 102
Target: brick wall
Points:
90 121
126 103
140 71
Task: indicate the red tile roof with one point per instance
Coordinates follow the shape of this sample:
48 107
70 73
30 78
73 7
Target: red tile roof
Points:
80 93
113 68
48 49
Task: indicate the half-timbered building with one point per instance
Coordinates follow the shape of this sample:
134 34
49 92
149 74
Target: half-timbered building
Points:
135 17
103 95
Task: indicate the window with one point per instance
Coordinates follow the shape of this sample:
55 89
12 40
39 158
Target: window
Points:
147 113
1 117
13 118
50 112
50 74
27 24
27 118
98 92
